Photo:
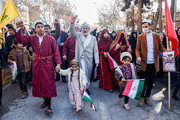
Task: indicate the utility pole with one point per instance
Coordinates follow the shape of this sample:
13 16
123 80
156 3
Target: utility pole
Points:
175 8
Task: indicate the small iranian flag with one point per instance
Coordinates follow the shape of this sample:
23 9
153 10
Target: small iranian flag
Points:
87 97
134 88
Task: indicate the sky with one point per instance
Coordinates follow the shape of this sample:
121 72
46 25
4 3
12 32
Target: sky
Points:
87 10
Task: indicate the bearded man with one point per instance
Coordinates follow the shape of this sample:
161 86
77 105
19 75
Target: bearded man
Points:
86 49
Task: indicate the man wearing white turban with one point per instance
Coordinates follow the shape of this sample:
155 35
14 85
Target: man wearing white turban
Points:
86 49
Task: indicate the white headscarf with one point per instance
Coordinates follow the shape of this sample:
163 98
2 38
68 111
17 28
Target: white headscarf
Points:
85 24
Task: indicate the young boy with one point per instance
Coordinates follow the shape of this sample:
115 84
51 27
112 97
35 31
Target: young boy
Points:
128 73
22 58
76 84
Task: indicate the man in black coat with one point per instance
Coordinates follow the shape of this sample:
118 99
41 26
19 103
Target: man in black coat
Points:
60 37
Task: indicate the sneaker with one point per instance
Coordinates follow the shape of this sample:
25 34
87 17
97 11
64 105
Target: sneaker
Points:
1 107
148 102
175 97
141 102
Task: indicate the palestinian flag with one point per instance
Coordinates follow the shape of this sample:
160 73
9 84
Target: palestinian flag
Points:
134 88
87 98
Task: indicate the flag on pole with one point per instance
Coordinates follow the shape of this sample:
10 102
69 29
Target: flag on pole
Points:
71 19
170 31
9 13
114 65
134 88
87 98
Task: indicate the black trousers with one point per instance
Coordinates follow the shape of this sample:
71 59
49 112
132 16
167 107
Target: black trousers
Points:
47 101
126 98
0 87
148 75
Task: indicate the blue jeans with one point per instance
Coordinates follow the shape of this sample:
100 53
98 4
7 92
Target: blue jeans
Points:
22 81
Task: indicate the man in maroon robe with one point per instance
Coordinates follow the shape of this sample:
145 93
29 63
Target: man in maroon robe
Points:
69 47
45 50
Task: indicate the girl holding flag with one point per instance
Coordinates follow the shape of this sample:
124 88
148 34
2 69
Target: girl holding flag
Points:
76 84
128 73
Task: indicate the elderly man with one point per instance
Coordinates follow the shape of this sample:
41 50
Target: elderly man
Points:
86 49
147 52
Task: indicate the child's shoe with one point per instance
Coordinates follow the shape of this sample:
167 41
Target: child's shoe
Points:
126 106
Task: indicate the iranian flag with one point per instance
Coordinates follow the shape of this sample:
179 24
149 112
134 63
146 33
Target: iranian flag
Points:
134 88
87 97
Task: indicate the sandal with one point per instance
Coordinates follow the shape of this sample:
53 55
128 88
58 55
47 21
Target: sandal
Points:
48 111
78 109
119 100
126 106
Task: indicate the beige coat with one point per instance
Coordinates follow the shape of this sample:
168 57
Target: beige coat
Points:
141 50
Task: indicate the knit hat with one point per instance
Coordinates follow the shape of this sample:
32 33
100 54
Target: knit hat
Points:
126 54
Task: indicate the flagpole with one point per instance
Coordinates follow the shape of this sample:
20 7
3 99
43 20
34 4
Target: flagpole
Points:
169 80
3 32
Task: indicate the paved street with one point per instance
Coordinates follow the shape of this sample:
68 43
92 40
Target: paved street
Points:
106 103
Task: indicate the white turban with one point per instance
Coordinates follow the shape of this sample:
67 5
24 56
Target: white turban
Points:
85 24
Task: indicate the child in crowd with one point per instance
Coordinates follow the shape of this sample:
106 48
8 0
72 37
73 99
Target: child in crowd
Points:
22 58
76 84
128 73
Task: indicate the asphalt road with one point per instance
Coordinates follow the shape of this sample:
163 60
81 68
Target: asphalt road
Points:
106 103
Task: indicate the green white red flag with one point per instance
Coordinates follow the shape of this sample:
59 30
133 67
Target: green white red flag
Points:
87 98
134 88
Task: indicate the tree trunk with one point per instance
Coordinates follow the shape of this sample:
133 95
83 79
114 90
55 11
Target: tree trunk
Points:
156 19
140 15
133 15
172 9
160 15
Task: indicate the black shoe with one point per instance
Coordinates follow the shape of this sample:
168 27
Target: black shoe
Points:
1 107
14 81
88 91
175 97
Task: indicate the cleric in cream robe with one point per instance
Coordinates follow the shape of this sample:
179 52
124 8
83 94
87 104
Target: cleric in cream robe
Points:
86 49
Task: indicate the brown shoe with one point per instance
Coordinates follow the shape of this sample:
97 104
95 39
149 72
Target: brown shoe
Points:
148 102
43 105
141 102
24 95
48 110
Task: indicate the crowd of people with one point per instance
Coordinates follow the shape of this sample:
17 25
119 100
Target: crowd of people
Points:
44 56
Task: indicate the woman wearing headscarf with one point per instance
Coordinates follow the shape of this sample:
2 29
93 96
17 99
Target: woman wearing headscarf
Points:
132 42
119 45
113 35
105 73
